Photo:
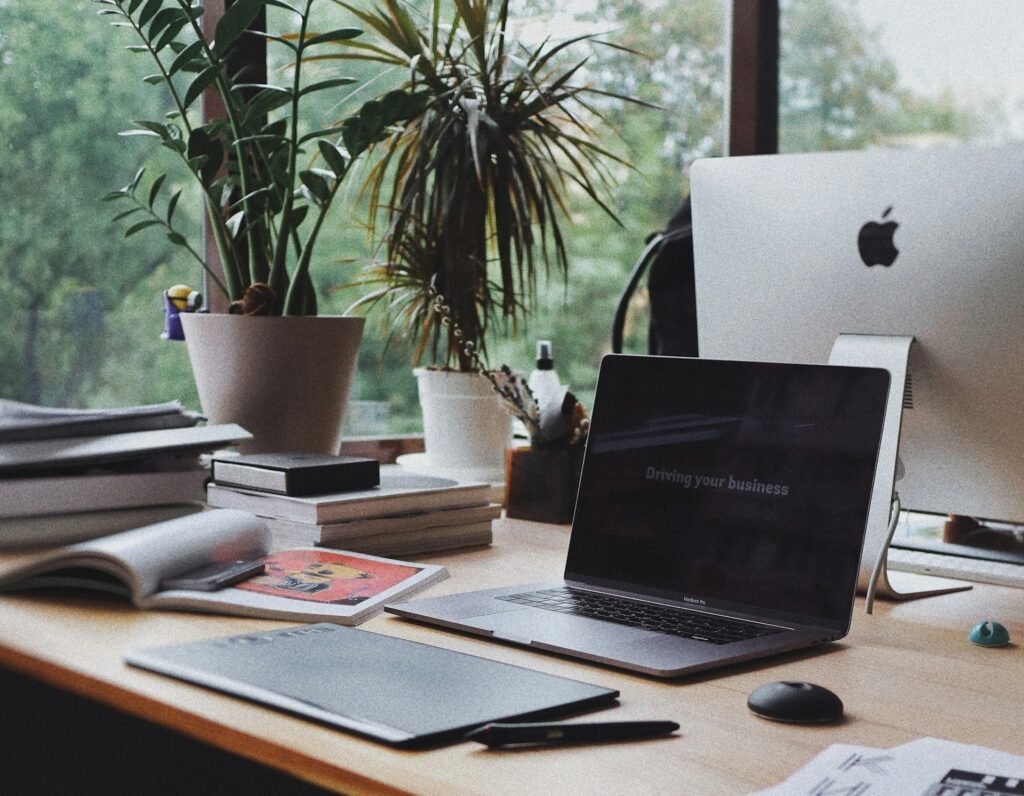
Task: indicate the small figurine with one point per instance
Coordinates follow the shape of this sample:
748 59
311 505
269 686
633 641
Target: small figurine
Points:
178 299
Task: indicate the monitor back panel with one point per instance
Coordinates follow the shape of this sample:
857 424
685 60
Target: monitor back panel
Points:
780 272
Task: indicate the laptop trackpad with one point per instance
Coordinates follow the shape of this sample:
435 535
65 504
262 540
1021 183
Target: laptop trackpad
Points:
564 631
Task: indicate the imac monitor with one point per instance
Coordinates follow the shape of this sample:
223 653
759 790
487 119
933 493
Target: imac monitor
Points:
793 250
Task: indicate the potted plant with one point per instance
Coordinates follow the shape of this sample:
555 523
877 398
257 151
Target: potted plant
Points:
267 185
470 191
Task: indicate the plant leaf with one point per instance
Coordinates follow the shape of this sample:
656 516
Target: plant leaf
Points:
165 17
185 56
321 133
203 81
155 189
171 205
334 156
130 188
125 213
234 22
325 84
156 127
168 38
148 11
341 34
140 226
202 145
235 223
317 185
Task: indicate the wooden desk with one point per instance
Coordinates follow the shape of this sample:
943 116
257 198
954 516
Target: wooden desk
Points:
905 672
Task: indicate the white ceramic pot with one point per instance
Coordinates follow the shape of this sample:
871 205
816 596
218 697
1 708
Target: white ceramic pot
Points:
284 379
465 427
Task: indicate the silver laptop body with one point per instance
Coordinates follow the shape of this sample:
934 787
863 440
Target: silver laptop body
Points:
725 501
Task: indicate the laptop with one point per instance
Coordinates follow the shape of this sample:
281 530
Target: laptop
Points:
720 518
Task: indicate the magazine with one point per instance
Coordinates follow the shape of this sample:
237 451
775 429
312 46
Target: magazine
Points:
304 584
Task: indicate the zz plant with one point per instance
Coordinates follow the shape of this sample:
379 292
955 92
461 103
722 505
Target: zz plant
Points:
267 184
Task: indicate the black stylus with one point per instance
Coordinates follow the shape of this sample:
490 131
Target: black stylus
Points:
558 733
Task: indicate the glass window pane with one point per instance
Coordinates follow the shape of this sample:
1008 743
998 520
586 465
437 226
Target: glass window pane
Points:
857 73
82 306
678 65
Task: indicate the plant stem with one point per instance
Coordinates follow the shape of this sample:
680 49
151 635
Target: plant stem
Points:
278 275
224 89
159 65
296 302
184 243
233 288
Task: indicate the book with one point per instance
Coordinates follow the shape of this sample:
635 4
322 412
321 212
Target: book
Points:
398 493
431 540
149 484
57 529
18 458
341 533
297 473
304 584
20 422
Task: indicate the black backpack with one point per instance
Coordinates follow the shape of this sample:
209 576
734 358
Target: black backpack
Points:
673 298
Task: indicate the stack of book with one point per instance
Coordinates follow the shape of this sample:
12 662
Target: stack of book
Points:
67 475
405 514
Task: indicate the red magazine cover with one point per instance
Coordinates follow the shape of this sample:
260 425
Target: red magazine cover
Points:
327 577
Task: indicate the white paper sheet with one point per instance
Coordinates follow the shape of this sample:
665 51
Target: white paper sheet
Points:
925 767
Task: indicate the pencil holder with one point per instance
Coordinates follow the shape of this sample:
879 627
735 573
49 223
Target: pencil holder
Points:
541 483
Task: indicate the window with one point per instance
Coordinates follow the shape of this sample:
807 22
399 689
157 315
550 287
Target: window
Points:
680 66
857 73
919 73
81 306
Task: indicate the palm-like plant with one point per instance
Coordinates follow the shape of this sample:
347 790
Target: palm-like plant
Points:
472 188
265 198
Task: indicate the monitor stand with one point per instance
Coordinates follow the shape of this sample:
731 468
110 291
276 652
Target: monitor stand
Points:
891 353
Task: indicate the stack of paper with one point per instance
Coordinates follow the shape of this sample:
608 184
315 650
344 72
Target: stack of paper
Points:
68 474
922 767
406 514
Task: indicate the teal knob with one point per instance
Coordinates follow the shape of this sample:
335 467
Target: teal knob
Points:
989 634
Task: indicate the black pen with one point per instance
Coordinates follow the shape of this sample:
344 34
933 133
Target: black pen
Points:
558 733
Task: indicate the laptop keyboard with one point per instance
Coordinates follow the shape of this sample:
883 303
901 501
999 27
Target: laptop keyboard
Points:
660 619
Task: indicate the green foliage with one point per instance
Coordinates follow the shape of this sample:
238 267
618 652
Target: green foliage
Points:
264 209
839 91
64 274
472 187
80 305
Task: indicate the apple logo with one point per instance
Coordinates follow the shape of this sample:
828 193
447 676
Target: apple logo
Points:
875 242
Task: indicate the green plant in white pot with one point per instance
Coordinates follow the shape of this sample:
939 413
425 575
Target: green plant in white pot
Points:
471 191
270 365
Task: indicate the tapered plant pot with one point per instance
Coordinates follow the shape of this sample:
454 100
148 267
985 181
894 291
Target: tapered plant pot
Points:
284 379
465 427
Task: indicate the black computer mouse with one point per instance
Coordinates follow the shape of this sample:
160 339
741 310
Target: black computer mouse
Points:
799 703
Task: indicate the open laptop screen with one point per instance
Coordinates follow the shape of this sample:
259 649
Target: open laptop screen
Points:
733 485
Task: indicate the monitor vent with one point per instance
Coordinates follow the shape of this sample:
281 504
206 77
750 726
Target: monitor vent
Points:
908 391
